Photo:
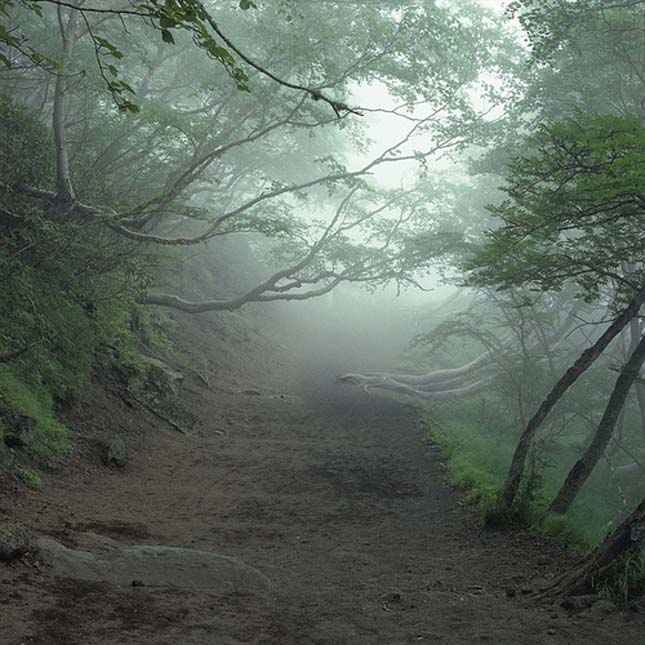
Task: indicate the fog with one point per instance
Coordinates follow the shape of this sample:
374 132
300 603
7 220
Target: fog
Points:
427 215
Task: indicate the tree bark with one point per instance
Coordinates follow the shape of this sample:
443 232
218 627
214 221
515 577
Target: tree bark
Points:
636 330
64 189
586 359
585 465
626 540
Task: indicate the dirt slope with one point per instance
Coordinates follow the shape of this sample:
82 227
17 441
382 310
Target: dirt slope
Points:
332 494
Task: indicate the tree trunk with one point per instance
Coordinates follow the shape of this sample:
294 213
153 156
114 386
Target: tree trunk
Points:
64 190
585 465
586 359
636 330
600 565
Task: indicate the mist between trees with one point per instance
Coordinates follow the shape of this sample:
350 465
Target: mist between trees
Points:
282 150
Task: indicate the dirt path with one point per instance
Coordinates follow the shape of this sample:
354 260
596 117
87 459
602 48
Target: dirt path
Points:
334 495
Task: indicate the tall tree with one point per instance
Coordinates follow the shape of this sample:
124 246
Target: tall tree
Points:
203 154
574 213
581 470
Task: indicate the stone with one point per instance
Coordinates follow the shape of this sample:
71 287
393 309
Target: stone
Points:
161 376
153 566
20 430
6 457
14 540
115 452
602 608
578 603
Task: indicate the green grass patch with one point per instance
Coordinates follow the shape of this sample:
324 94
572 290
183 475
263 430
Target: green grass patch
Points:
478 455
30 477
50 436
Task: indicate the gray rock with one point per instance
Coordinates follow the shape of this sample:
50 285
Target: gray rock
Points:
6 457
20 430
160 371
602 609
14 540
153 566
115 451
578 603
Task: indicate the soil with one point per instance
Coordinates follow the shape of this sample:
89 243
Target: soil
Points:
335 495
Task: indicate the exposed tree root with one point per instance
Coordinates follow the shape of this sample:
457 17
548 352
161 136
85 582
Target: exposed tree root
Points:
439 385
602 564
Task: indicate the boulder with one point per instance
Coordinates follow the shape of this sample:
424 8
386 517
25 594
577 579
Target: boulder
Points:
14 540
161 376
20 430
6 457
578 603
115 452
153 566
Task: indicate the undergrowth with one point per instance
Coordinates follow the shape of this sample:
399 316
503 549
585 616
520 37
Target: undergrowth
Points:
478 455
478 459
68 294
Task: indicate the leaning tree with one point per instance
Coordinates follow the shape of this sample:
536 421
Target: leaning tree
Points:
574 215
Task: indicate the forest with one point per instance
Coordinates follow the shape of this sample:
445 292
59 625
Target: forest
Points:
366 250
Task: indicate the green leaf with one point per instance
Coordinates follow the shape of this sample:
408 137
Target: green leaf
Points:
167 37
128 106
166 22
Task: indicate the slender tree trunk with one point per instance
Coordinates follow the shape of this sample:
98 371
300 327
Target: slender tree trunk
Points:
586 359
626 540
636 329
585 465
64 189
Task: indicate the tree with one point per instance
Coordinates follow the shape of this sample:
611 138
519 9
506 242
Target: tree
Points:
215 131
574 212
583 467
603 563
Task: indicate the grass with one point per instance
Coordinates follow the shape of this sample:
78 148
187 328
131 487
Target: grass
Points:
478 459
30 477
50 436
630 580
473 463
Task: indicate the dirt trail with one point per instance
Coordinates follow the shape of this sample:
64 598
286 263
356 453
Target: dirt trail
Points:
332 494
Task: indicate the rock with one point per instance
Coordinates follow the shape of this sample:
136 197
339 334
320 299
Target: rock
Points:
154 566
14 540
20 430
6 457
395 601
163 377
115 451
392 597
602 609
578 603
